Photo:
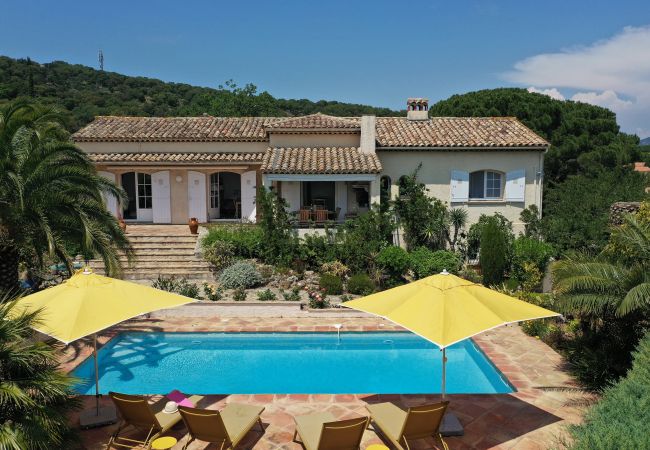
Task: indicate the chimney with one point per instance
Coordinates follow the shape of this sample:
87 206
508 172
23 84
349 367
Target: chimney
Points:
417 109
368 135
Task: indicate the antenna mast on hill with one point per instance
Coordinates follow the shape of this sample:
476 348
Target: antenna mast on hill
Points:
101 60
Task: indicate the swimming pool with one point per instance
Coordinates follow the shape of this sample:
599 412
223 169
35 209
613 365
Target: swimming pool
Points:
287 363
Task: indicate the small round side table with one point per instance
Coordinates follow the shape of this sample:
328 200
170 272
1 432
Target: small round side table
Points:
164 443
377 447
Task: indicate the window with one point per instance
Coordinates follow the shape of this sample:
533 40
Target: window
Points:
144 191
485 184
384 190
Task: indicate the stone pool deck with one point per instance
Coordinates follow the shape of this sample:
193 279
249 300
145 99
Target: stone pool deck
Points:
534 417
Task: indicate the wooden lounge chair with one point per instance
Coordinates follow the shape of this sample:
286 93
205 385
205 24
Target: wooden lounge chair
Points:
320 431
226 427
401 426
321 215
135 411
304 217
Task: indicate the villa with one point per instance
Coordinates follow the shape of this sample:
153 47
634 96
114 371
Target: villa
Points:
327 168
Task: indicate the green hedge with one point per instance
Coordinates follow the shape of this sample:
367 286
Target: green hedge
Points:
424 262
620 420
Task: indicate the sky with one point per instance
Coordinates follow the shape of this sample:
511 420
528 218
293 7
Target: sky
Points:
365 51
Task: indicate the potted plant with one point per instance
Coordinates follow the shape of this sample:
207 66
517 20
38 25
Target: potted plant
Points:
194 225
121 223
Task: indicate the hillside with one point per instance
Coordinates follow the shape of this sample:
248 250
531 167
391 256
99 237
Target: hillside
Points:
645 141
86 92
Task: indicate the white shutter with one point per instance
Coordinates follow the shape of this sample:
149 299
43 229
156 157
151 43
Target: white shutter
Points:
459 186
197 196
161 197
109 200
516 186
248 192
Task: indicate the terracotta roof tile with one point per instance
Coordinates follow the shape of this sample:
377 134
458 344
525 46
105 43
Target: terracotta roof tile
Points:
456 132
315 121
174 129
319 160
177 158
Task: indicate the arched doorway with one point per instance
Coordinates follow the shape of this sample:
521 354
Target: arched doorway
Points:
225 196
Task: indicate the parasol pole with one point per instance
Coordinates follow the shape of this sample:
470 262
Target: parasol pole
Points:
96 375
444 372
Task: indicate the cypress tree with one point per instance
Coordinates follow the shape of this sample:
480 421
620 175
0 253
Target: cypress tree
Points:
493 255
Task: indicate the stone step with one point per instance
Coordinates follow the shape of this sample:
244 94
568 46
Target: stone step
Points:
162 245
167 257
139 265
152 274
165 239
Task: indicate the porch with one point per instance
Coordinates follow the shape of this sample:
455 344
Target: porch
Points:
324 184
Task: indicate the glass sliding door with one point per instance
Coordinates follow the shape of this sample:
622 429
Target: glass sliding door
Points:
225 195
138 188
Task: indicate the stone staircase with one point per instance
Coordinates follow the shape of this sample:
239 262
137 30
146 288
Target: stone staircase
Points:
164 250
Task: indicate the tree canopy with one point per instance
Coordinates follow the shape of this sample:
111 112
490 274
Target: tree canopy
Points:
87 92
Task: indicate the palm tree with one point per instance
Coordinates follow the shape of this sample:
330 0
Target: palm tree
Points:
616 281
35 397
50 196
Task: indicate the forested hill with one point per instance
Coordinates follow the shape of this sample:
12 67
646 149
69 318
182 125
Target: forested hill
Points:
87 92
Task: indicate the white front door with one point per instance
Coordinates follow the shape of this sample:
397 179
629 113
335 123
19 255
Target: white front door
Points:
109 200
196 196
213 207
161 197
248 192
145 199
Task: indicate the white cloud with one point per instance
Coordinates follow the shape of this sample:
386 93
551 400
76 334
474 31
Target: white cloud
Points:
553 92
606 73
607 99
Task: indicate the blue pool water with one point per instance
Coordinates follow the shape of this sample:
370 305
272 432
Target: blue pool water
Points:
287 363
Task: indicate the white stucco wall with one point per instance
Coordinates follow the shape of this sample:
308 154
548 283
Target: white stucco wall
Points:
314 140
436 175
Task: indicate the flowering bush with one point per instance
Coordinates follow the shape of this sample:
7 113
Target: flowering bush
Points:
318 300
336 268
220 254
212 292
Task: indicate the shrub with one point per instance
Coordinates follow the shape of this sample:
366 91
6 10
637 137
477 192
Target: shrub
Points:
291 296
526 252
476 231
318 300
620 419
178 286
331 284
493 257
246 240
394 262
470 275
220 254
239 295
360 284
424 262
360 239
316 249
212 292
242 274
336 268
280 241
266 295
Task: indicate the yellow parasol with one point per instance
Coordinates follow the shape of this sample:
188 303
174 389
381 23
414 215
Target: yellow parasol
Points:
88 303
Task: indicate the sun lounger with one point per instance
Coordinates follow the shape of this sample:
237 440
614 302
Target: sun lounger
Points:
135 411
321 431
401 427
226 427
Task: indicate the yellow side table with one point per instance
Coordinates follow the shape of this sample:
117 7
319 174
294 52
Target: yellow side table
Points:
377 447
164 443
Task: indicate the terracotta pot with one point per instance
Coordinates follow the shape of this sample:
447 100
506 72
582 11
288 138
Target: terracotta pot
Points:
122 224
194 225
